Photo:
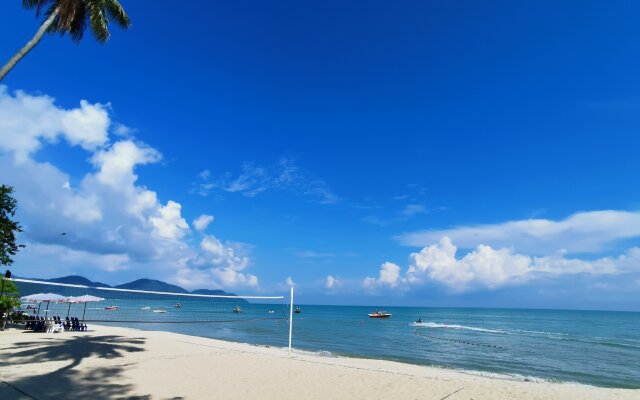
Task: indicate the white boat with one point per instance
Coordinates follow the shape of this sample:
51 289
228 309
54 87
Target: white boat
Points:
237 310
270 311
177 305
379 314
160 311
111 308
146 308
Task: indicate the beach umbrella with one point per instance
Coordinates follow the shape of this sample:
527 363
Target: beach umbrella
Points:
40 297
83 299
43 297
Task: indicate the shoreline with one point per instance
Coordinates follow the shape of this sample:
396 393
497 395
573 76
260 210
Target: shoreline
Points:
516 377
129 362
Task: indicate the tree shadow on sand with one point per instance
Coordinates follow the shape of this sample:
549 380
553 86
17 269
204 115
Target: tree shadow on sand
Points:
72 380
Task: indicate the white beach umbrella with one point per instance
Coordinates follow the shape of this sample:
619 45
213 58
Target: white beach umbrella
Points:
43 297
40 297
83 299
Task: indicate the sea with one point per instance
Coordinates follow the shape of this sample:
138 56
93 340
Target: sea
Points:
599 348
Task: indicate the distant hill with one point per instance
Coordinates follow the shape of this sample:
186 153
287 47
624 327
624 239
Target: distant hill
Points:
216 292
152 285
140 284
77 280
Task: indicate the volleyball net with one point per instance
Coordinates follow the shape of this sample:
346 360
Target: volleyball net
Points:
128 306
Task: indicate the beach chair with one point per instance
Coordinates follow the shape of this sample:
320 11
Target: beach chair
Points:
57 325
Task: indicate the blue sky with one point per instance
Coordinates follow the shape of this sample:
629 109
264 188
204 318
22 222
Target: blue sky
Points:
434 153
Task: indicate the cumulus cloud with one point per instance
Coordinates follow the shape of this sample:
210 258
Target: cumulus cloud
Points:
202 222
112 222
389 276
255 179
332 282
227 261
487 267
26 122
582 232
169 223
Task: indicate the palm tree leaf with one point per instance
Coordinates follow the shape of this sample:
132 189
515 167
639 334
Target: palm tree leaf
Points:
116 13
78 24
98 20
37 4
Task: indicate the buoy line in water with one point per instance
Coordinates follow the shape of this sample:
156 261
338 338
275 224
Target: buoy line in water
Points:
459 341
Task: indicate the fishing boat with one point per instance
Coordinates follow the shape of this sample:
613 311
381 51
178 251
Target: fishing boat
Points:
379 314
146 308
111 308
237 310
159 311
177 305
297 310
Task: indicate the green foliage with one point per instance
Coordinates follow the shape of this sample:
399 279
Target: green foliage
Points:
73 16
8 227
9 299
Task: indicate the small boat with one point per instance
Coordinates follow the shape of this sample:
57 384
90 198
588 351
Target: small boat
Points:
237 310
177 305
111 308
379 314
297 310
160 311
270 311
146 308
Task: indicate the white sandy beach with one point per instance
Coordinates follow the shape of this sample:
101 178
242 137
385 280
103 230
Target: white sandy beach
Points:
111 363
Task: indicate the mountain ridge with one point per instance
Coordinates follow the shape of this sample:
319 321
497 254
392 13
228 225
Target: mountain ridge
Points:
153 285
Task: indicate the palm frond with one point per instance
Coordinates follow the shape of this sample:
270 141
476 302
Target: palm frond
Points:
116 13
37 4
79 23
98 20
74 15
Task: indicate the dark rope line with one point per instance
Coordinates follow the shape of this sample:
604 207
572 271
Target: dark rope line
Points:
459 341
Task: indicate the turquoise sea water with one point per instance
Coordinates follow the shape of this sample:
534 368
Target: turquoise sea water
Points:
591 347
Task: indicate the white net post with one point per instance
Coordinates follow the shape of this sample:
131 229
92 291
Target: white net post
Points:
290 320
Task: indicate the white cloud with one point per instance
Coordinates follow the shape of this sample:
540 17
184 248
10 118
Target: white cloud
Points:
202 222
412 209
111 221
226 262
313 254
582 232
27 121
169 223
332 282
254 179
486 267
289 282
116 164
389 276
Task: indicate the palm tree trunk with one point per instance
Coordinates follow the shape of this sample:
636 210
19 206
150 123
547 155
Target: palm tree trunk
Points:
30 44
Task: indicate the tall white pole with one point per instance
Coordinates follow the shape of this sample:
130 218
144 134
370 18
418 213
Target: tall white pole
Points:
290 320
